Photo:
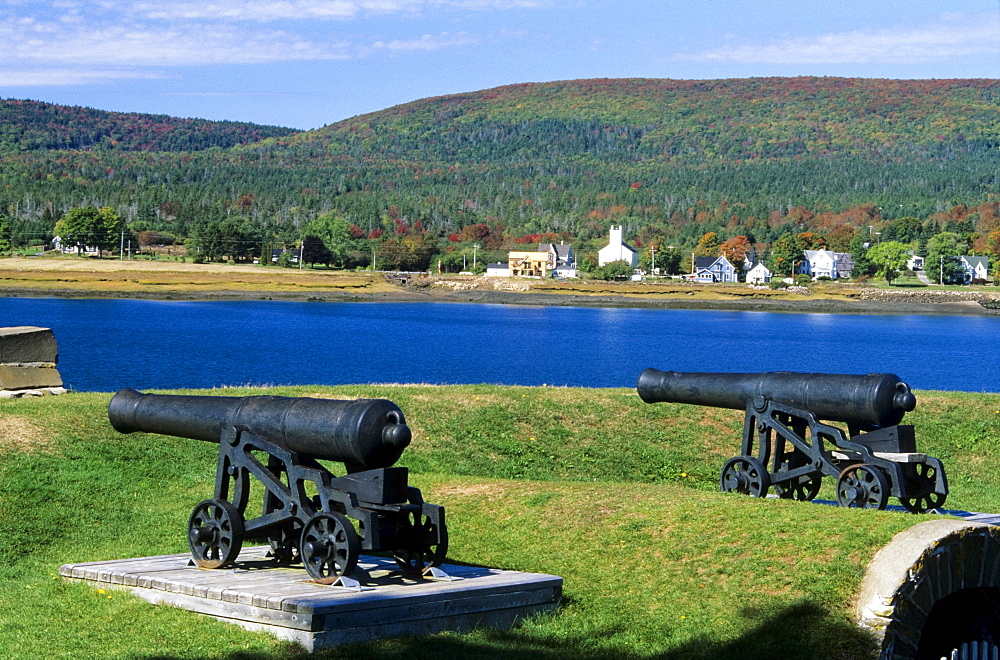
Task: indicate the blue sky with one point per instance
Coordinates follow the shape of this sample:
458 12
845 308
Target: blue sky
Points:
307 63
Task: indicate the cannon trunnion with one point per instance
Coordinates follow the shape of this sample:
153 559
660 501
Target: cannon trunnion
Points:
307 511
787 447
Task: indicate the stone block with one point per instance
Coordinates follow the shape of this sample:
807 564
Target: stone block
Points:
27 344
20 378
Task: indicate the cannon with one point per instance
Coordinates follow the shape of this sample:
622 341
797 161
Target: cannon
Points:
789 443
308 514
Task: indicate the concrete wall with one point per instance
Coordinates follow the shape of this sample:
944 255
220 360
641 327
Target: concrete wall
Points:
934 587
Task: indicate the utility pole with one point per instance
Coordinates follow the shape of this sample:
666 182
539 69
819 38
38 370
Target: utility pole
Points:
652 254
475 246
121 249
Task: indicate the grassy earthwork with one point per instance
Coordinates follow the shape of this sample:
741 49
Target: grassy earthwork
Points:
616 496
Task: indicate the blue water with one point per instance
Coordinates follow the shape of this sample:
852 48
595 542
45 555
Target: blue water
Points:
105 345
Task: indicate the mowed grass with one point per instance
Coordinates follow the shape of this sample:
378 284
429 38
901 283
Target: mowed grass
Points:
616 496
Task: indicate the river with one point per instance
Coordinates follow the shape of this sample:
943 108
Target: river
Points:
105 345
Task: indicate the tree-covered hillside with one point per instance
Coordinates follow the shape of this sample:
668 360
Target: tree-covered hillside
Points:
31 126
684 121
669 160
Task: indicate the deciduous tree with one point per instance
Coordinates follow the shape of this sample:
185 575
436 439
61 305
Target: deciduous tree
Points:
708 245
785 252
943 252
90 226
736 250
889 258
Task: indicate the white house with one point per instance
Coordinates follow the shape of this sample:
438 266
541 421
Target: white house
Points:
915 262
758 274
615 250
560 259
823 263
714 269
497 270
976 268
58 244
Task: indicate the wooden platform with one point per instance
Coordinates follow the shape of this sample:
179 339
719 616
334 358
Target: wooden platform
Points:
260 595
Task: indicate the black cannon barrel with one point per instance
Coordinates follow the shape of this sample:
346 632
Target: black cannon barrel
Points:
363 434
877 399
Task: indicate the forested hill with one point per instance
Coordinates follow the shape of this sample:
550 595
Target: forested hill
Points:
668 160
32 125
683 121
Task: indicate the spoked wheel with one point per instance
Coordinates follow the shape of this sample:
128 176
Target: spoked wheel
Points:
746 475
863 487
803 491
425 545
924 503
215 533
330 547
926 477
285 545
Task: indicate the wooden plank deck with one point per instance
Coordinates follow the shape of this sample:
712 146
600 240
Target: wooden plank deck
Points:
258 594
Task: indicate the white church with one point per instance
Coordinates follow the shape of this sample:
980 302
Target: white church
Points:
616 250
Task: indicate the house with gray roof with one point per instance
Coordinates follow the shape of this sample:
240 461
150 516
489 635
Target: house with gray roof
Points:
976 268
561 263
824 263
714 269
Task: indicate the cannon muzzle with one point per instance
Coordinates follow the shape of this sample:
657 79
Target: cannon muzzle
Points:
874 399
363 434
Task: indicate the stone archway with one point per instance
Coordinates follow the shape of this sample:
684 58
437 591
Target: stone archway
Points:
933 587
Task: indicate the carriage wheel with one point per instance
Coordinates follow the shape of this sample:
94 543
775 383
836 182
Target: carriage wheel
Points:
803 491
330 547
215 533
426 545
926 477
863 487
746 475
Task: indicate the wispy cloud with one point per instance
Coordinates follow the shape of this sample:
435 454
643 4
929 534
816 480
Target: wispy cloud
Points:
58 42
427 42
247 10
76 76
954 35
137 45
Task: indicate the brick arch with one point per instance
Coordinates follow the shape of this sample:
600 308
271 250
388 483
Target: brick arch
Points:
918 568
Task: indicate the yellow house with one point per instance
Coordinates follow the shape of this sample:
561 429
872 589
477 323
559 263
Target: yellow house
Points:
528 264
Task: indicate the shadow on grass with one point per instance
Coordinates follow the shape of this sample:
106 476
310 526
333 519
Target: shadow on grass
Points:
802 630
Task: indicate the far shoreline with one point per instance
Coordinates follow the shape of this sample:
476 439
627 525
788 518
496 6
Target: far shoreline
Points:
805 305
82 278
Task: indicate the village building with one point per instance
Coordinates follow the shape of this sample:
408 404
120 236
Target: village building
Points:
975 268
823 263
713 269
528 264
616 250
560 259
57 244
915 262
758 274
497 269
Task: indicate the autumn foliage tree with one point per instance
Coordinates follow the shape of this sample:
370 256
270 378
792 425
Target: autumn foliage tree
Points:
736 250
708 245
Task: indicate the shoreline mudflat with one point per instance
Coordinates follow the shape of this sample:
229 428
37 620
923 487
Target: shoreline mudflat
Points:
156 280
803 305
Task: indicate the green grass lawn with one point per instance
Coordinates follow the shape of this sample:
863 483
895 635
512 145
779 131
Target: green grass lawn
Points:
616 496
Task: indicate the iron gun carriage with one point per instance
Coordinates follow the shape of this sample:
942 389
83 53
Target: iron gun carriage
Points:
307 511
787 446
